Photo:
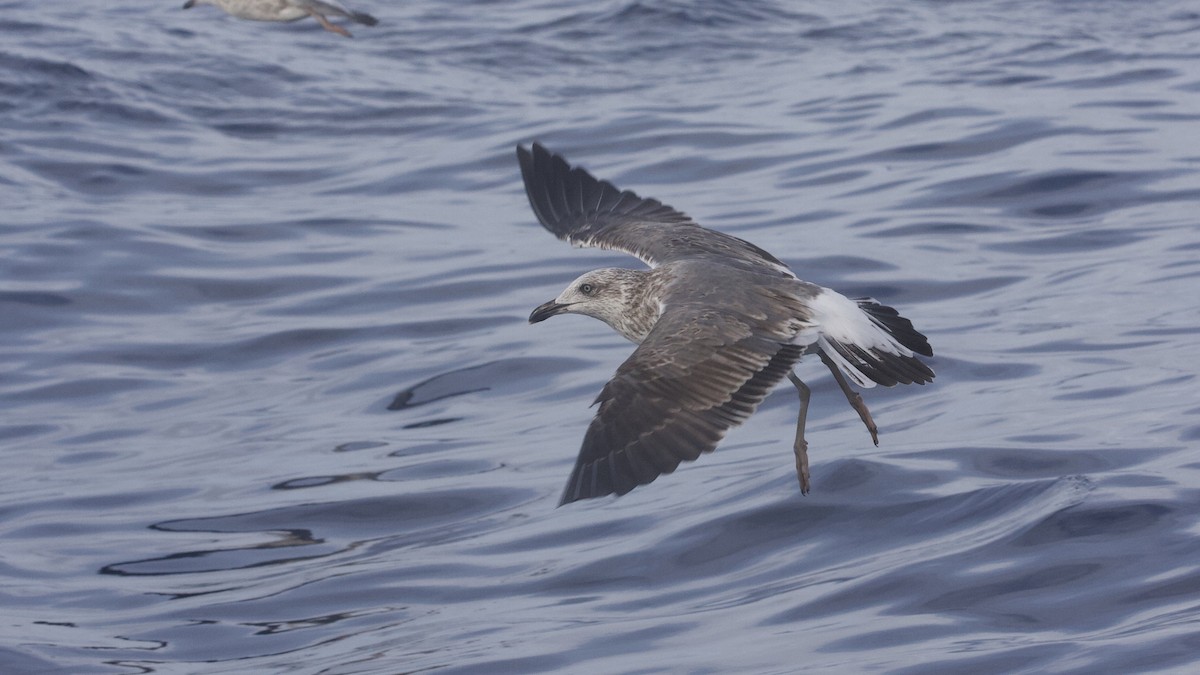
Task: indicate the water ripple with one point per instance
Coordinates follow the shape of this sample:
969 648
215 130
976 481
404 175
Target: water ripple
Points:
271 387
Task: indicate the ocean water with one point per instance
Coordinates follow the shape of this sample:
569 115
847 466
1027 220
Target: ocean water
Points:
269 402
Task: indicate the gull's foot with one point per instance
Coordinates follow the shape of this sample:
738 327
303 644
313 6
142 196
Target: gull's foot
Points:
329 26
853 397
801 450
860 406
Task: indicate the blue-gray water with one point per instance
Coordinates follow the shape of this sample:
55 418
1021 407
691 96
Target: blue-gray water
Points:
227 248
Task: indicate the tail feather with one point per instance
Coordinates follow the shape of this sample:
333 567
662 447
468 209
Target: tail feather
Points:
868 367
896 326
870 342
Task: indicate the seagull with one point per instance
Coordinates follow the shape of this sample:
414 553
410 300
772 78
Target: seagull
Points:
289 10
718 322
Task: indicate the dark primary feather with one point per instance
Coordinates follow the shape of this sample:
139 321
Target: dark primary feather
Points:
576 207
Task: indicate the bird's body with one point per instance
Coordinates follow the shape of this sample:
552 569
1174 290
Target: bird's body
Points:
289 10
718 322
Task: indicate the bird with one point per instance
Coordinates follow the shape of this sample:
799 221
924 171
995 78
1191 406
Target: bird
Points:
289 10
718 323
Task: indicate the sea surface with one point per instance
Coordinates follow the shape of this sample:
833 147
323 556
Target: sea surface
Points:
269 400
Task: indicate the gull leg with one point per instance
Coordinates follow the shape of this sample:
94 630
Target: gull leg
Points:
801 445
332 28
855 399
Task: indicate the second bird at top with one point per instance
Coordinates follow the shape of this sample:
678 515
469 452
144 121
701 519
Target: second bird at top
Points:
289 10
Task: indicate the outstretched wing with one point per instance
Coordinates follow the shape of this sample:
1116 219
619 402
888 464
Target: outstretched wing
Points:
576 207
700 372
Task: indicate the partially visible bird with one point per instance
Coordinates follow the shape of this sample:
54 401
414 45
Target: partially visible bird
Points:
289 10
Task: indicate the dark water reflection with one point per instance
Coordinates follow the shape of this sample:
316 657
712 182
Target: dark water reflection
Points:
269 401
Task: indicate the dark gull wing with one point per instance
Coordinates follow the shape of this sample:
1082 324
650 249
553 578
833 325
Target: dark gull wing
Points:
700 372
576 207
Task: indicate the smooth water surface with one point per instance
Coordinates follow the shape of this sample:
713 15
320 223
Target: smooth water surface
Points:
269 401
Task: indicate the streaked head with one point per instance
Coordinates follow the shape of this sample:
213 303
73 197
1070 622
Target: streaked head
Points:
605 294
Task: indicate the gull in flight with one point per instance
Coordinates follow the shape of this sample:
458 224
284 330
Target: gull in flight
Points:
718 322
289 10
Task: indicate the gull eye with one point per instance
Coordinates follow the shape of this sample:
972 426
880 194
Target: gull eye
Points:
587 289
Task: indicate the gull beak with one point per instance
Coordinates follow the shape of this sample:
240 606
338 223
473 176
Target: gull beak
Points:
546 311
189 4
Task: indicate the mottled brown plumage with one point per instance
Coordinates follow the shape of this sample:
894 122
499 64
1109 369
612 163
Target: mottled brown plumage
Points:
718 323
